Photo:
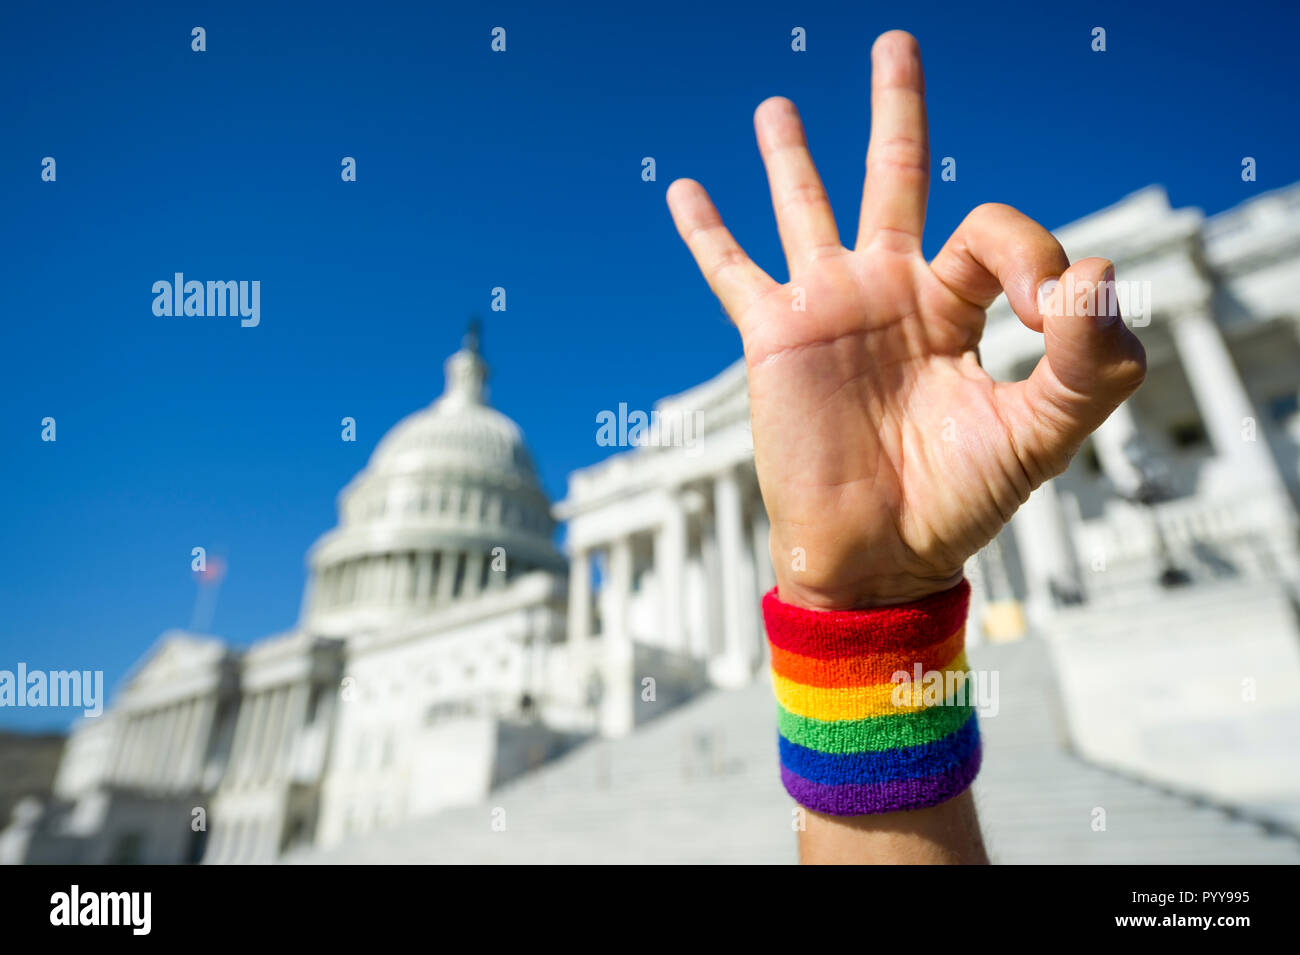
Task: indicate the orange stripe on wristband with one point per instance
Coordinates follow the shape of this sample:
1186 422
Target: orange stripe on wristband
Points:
865 670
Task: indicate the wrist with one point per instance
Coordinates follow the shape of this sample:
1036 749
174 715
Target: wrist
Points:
874 707
882 590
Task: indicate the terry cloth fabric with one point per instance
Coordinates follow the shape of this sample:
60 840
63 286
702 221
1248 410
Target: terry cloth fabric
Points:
856 737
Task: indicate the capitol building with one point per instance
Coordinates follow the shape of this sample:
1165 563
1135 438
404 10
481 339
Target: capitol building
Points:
448 649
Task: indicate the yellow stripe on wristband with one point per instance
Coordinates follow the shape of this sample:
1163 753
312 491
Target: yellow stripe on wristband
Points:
862 702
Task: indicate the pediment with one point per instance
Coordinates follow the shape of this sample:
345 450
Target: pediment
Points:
174 656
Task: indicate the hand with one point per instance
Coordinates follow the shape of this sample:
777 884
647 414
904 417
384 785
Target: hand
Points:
884 451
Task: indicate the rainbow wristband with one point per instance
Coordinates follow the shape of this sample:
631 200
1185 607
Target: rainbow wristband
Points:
856 738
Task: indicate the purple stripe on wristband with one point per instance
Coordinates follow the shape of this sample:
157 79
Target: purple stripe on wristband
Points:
857 799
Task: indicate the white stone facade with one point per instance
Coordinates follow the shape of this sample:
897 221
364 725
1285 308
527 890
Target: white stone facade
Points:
445 644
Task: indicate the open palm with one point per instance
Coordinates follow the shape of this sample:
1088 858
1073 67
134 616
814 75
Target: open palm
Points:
886 455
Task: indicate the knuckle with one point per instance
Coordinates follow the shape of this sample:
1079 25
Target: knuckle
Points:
1129 374
805 195
728 259
901 153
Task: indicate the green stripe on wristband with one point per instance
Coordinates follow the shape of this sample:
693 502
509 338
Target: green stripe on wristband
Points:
875 733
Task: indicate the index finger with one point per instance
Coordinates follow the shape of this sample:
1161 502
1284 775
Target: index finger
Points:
733 276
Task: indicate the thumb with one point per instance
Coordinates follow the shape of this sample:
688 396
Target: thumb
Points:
1093 362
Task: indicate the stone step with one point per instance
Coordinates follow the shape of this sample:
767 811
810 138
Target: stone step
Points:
632 801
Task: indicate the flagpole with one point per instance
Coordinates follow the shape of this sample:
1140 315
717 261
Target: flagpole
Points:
205 600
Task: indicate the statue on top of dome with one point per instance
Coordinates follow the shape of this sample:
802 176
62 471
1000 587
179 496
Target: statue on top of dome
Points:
465 371
473 335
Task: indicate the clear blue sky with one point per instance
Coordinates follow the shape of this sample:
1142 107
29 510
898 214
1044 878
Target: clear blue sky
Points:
475 170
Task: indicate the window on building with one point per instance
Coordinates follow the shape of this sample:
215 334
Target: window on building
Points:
1091 461
1284 407
1188 434
128 849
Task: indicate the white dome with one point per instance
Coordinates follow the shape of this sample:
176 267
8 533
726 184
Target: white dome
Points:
447 436
448 496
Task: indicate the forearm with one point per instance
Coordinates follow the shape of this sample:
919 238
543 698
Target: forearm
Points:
946 834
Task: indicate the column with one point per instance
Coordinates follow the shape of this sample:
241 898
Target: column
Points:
670 574
1004 616
144 748
153 753
498 572
536 682
265 765
1112 442
253 739
178 717
130 732
750 595
474 506
182 714
379 580
238 741
388 580
473 573
435 576
400 574
447 583
1047 554
708 622
196 744
617 715
295 721
1223 400
735 666
365 568
423 577
1252 478
579 602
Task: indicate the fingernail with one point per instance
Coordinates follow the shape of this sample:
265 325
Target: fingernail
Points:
1045 290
